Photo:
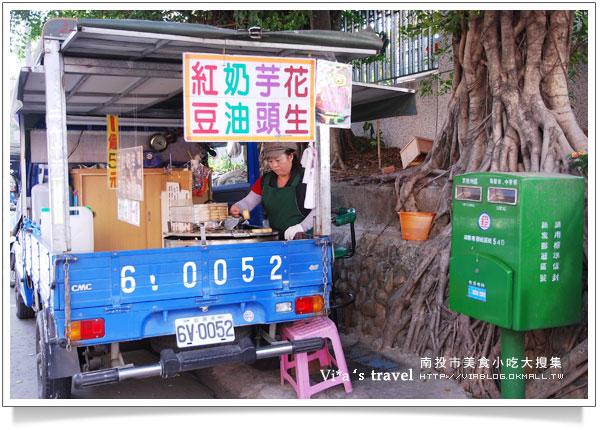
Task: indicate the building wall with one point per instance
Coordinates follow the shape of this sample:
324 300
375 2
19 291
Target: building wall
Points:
579 95
432 110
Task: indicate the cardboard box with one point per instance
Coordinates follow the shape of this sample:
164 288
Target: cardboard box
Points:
415 151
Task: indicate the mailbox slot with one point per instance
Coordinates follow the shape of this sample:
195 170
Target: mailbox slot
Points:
505 196
468 193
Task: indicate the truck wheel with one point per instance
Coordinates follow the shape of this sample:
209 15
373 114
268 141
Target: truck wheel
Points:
23 311
59 388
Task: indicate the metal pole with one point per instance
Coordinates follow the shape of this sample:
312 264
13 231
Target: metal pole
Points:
513 350
378 146
323 201
56 135
24 186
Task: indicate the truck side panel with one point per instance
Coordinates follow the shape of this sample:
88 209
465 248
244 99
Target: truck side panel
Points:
141 293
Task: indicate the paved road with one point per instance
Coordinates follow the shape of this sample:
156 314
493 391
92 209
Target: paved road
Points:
235 381
23 379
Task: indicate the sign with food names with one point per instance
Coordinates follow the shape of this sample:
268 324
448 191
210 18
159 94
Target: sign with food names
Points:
242 98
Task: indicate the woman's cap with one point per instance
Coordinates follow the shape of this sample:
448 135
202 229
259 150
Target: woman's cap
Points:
273 150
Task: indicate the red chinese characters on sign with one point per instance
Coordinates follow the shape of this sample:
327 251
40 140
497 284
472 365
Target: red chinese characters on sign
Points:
112 141
203 80
205 116
296 84
294 116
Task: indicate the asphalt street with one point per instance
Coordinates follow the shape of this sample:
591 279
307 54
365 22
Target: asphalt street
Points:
371 374
23 379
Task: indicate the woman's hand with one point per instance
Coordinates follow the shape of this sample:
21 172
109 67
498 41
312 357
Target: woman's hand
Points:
291 232
235 211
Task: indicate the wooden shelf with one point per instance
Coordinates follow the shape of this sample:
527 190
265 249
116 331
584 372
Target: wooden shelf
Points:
112 234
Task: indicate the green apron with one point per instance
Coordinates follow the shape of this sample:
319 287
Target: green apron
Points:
282 209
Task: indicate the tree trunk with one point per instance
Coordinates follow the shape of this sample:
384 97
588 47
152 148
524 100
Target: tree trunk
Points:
509 111
320 20
337 160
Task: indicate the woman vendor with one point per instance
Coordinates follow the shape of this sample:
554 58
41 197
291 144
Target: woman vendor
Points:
281 191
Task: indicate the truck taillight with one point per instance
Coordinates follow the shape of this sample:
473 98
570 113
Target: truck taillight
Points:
87 329
309 305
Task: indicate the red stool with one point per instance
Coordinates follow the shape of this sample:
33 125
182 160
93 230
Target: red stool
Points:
316 327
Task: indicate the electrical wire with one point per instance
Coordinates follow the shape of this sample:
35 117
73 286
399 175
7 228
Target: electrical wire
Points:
76 146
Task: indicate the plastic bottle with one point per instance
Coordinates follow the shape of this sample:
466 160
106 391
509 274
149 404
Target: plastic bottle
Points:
81 222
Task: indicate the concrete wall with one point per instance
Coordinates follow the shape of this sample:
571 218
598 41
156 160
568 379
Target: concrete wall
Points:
431 110
398 131
579 95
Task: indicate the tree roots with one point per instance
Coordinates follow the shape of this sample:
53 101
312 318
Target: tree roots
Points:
509 111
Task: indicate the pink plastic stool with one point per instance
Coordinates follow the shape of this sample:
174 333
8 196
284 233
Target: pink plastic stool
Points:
315 327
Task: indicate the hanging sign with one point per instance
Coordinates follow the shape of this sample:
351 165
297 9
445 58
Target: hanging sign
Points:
245 98
334 94
128 211
112 127
130 173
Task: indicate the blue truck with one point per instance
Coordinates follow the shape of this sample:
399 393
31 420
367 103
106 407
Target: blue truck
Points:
198 306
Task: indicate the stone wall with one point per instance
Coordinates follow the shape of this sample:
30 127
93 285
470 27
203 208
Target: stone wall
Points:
382 260
380 266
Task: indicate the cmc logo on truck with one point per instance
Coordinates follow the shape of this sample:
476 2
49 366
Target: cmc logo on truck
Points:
81 287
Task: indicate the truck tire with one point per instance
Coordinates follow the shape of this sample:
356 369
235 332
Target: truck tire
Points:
48 388
23 311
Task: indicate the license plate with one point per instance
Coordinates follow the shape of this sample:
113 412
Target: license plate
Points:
204 330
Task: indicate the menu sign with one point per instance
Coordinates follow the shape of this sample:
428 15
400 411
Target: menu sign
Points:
248 98
112 127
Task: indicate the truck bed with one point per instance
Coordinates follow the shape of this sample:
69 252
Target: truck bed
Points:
140 293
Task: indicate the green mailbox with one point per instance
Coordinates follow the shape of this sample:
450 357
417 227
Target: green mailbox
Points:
517 241
516 259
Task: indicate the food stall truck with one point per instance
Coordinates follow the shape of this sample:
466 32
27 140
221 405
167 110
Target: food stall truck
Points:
135 251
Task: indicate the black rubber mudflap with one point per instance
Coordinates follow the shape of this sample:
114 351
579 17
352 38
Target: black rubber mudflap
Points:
173 363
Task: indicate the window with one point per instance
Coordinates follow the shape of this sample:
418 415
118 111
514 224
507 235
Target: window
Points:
466 193
502 195
230 165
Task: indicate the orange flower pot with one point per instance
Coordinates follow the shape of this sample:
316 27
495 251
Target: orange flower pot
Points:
415 225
